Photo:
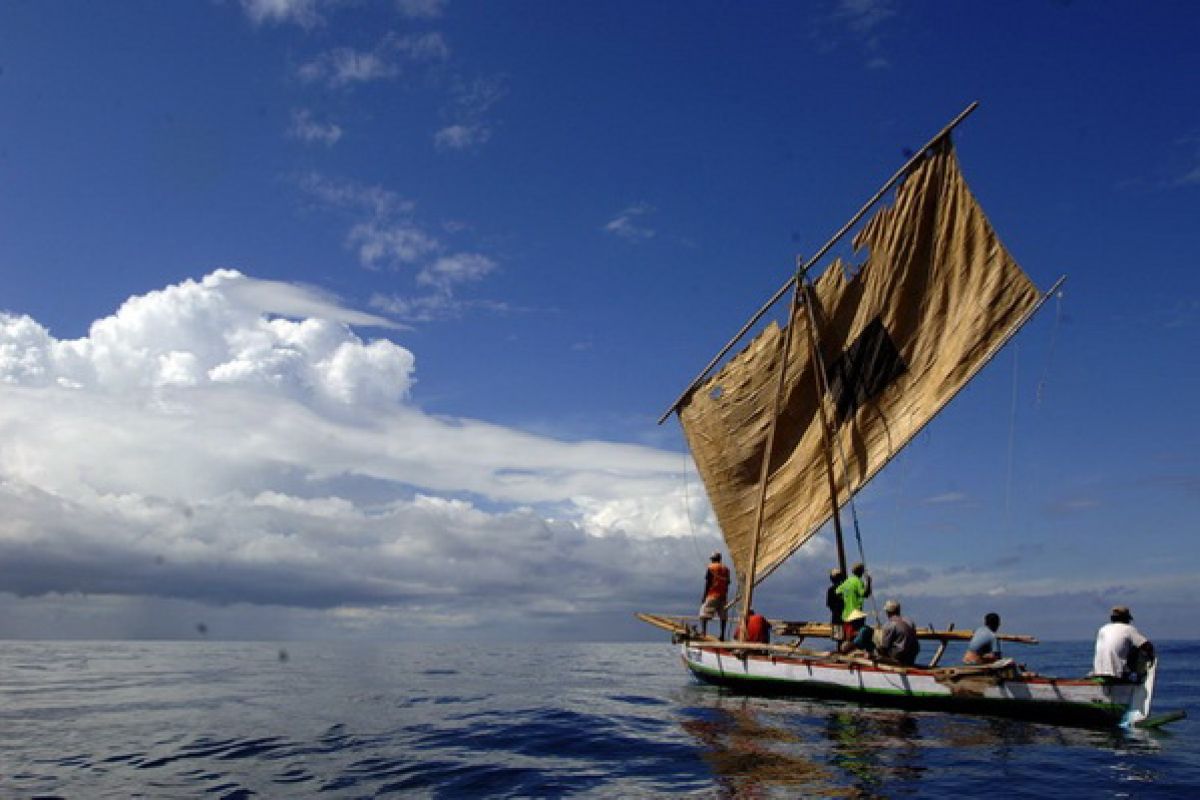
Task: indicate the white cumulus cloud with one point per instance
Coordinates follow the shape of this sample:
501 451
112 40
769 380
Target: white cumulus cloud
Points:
232 440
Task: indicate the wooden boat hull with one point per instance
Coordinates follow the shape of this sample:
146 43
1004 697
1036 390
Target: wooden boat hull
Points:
1001 691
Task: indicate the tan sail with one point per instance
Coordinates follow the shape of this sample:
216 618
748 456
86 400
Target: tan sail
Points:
936 297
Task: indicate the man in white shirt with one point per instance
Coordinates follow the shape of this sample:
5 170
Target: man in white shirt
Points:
1118 645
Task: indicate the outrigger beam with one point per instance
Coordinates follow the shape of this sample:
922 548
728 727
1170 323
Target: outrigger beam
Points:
900 173
821 630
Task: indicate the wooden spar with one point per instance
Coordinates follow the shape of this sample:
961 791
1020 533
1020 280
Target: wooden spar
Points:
937 657
900 173
820 630
764 473
826 435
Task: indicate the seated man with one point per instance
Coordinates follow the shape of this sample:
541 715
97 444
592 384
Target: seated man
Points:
899 642
758 629
1121 650
858 635
865 640
985 645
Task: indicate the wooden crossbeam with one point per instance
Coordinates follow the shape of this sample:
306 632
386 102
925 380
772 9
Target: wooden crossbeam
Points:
821 630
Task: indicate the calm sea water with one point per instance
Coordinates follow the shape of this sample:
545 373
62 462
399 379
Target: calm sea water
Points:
231 720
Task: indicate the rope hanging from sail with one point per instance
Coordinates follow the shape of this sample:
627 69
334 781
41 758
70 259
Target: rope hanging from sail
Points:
687 509
1012 437
1058 312
822 372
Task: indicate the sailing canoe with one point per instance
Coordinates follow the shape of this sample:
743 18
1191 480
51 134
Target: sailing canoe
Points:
1000 689
784 436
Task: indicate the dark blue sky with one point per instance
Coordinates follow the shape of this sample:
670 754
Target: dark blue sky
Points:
563 210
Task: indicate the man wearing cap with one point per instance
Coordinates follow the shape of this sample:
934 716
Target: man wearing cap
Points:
899 642
1120 648
833 601
716 589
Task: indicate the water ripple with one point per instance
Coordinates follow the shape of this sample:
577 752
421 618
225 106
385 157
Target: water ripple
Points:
176 720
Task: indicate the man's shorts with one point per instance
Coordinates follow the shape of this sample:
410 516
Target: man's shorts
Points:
713 607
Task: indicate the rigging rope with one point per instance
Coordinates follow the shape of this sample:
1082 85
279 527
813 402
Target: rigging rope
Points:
687 508
841 454
1012 438
1041 386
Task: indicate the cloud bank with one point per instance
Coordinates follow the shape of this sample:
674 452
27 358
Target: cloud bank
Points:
231 440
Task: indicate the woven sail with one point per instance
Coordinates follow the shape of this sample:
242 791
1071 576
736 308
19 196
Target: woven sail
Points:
936 297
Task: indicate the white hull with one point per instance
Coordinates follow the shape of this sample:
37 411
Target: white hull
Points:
998 689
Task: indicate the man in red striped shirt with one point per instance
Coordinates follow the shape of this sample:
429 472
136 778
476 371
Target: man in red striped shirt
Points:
716 590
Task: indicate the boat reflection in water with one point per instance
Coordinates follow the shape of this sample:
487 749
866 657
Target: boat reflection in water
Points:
874 748
752 756
797 748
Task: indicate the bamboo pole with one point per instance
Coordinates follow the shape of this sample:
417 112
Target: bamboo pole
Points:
900 173
764 473
826 434
820 630
937 656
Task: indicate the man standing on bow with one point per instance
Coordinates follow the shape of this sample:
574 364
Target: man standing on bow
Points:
716 591
1122 652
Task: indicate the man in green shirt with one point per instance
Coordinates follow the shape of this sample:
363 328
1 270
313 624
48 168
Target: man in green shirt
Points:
854 590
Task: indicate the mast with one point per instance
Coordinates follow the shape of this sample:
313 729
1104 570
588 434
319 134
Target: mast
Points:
764 474
826 435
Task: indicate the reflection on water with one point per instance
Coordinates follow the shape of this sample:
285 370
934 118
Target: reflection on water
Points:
779 747
874 747
212 719
749 756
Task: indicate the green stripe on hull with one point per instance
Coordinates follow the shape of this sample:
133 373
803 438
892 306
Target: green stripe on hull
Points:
1087 715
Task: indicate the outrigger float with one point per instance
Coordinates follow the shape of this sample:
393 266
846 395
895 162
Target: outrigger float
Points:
798 421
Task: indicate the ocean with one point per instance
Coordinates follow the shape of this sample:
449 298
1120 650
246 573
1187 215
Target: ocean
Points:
237 720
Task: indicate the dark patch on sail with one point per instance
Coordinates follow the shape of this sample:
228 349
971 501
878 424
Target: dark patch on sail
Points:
864 370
